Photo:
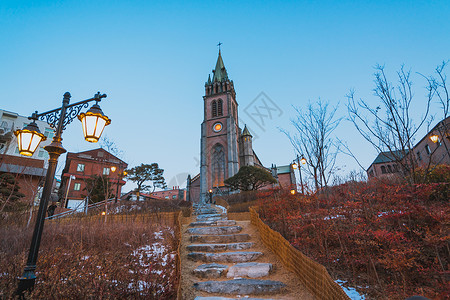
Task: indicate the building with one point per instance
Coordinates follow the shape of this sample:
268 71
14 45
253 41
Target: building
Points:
170 194
9 122
29 171
432 149
224 146
385 163
84 165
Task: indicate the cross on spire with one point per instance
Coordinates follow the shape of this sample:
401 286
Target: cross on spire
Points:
219 44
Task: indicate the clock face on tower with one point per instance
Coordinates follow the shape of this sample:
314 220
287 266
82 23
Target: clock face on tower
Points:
217 127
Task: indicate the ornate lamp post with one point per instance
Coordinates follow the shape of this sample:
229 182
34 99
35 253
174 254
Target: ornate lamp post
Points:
94 121
296 165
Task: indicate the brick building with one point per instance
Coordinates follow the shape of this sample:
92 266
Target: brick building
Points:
84 165
432 149
171 194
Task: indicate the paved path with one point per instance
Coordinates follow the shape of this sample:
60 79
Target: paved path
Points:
224 259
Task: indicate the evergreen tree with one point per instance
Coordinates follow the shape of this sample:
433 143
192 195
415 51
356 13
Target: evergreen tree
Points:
250 178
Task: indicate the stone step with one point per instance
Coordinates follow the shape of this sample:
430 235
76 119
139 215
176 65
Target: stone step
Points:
225 238
205 211
219 247
251 269
240 286
213 218
210 270
215 230
219 222
204 216
242 256
223 298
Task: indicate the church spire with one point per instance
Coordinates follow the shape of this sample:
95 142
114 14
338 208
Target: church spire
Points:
220 73
245 132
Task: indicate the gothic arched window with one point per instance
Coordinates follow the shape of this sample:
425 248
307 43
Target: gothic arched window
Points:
214 108
218 165
219 107
234 111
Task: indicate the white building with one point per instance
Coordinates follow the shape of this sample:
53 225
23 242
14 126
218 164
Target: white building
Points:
11 121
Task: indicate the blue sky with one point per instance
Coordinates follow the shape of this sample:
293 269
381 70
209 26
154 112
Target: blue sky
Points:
153 57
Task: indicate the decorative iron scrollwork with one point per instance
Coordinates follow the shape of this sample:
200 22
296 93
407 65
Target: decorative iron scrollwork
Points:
72 112
51 118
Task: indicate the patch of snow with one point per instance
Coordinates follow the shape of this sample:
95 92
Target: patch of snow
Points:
85 257
158 235
351 292
224 210
334 217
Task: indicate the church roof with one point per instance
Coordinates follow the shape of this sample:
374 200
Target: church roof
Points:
245 132
220 73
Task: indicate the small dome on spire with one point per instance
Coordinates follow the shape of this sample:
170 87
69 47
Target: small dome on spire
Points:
245 132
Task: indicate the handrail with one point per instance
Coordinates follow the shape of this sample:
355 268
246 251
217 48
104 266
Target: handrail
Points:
72 211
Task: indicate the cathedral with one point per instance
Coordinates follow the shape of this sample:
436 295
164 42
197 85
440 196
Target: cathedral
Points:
224 147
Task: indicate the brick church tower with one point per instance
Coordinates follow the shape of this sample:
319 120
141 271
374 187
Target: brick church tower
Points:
224 147
219 131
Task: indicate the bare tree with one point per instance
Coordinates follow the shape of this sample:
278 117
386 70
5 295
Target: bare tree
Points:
313 139
110 146
388 124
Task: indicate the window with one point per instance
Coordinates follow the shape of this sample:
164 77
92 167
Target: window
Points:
218 165
41 153
80 168
76 186
389 169
49 133
166 197
427 149
419 157
219 108
214 108
17 150
174 197
105 171
383 169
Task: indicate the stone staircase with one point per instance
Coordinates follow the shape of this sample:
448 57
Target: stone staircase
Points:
225 266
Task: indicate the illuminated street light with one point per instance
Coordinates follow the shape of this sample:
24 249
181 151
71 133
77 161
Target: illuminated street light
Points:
296 165
120 175
29 139
434 138
93 121
303 160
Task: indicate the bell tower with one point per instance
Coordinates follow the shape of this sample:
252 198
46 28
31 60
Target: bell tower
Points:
219 131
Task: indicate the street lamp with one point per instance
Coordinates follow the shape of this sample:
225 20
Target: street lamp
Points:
120 175
210 195
295 165
28 140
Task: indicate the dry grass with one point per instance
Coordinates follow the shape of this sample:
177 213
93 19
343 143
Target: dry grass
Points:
86 258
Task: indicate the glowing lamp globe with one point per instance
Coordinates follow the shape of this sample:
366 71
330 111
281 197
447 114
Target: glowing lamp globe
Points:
434 138
294 166
93 121
113 168
293 192
303 161
29 138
